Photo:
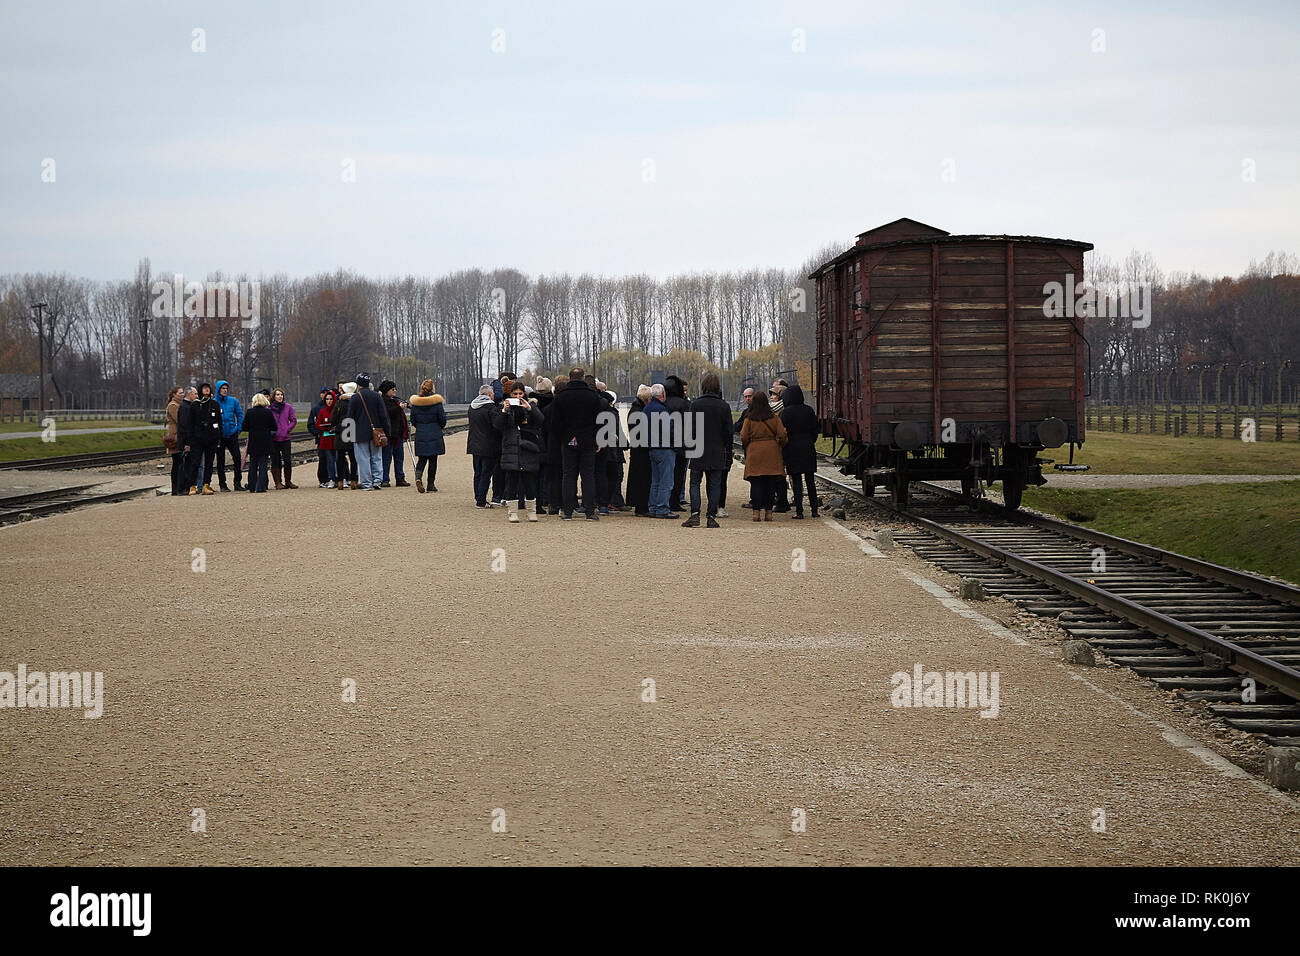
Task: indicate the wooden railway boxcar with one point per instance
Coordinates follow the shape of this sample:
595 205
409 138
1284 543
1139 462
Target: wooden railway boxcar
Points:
942 356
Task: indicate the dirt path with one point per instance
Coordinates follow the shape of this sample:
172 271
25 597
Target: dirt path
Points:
523 691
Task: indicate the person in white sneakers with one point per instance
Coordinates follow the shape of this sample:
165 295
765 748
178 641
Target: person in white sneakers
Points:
520 424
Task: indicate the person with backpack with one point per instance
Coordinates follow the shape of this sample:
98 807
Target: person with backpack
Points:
367 409
520 424
428 418
260 424
281 443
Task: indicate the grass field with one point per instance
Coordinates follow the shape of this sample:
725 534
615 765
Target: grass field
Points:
9 428
1116 453
1253 527
17 449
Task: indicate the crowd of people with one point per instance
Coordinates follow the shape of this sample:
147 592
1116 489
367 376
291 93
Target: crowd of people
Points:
555 448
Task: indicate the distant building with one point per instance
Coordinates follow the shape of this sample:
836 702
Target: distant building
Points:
21 392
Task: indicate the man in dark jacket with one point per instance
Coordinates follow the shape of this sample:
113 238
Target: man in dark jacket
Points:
677 402
205 435
367 409
484 443
322 473
553 453
576 411
394 453
712 420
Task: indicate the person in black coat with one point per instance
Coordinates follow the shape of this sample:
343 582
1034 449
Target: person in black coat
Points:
552 452
204 436
800 452
713 419
520 423
638 460
428 418
184 429
676 401
577 412
260 425
484 443
544 393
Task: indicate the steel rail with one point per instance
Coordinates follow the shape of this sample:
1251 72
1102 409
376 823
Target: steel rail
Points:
1218 651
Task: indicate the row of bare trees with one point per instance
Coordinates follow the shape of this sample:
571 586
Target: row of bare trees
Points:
1241 329
466 326
459 328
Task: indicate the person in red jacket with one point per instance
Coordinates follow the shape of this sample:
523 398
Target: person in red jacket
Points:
325 431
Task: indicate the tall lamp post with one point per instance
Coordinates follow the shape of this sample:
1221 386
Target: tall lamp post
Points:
39 308
144 346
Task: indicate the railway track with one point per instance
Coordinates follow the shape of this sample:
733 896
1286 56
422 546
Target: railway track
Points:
1213 634
40 504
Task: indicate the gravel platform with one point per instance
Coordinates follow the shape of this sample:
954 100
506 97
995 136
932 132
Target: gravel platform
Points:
523 691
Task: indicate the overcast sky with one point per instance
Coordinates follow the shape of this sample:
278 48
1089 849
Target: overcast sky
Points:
538 156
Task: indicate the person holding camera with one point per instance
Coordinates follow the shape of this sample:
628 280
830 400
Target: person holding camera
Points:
520 424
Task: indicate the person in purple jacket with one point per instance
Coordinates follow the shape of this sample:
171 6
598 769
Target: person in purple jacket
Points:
285 420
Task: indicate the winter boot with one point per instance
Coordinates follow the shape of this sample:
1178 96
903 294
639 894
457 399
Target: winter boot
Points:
512 514
758 515
207 490
419 485
275 473
531 505
767 515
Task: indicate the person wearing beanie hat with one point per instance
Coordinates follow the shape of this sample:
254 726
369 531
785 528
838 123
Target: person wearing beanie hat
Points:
393 454
367 411
429 418
205 435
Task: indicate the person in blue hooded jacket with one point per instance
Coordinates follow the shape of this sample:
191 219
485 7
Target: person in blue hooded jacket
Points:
232 423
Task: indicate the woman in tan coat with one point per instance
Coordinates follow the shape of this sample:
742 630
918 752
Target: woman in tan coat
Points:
172 440
763 436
